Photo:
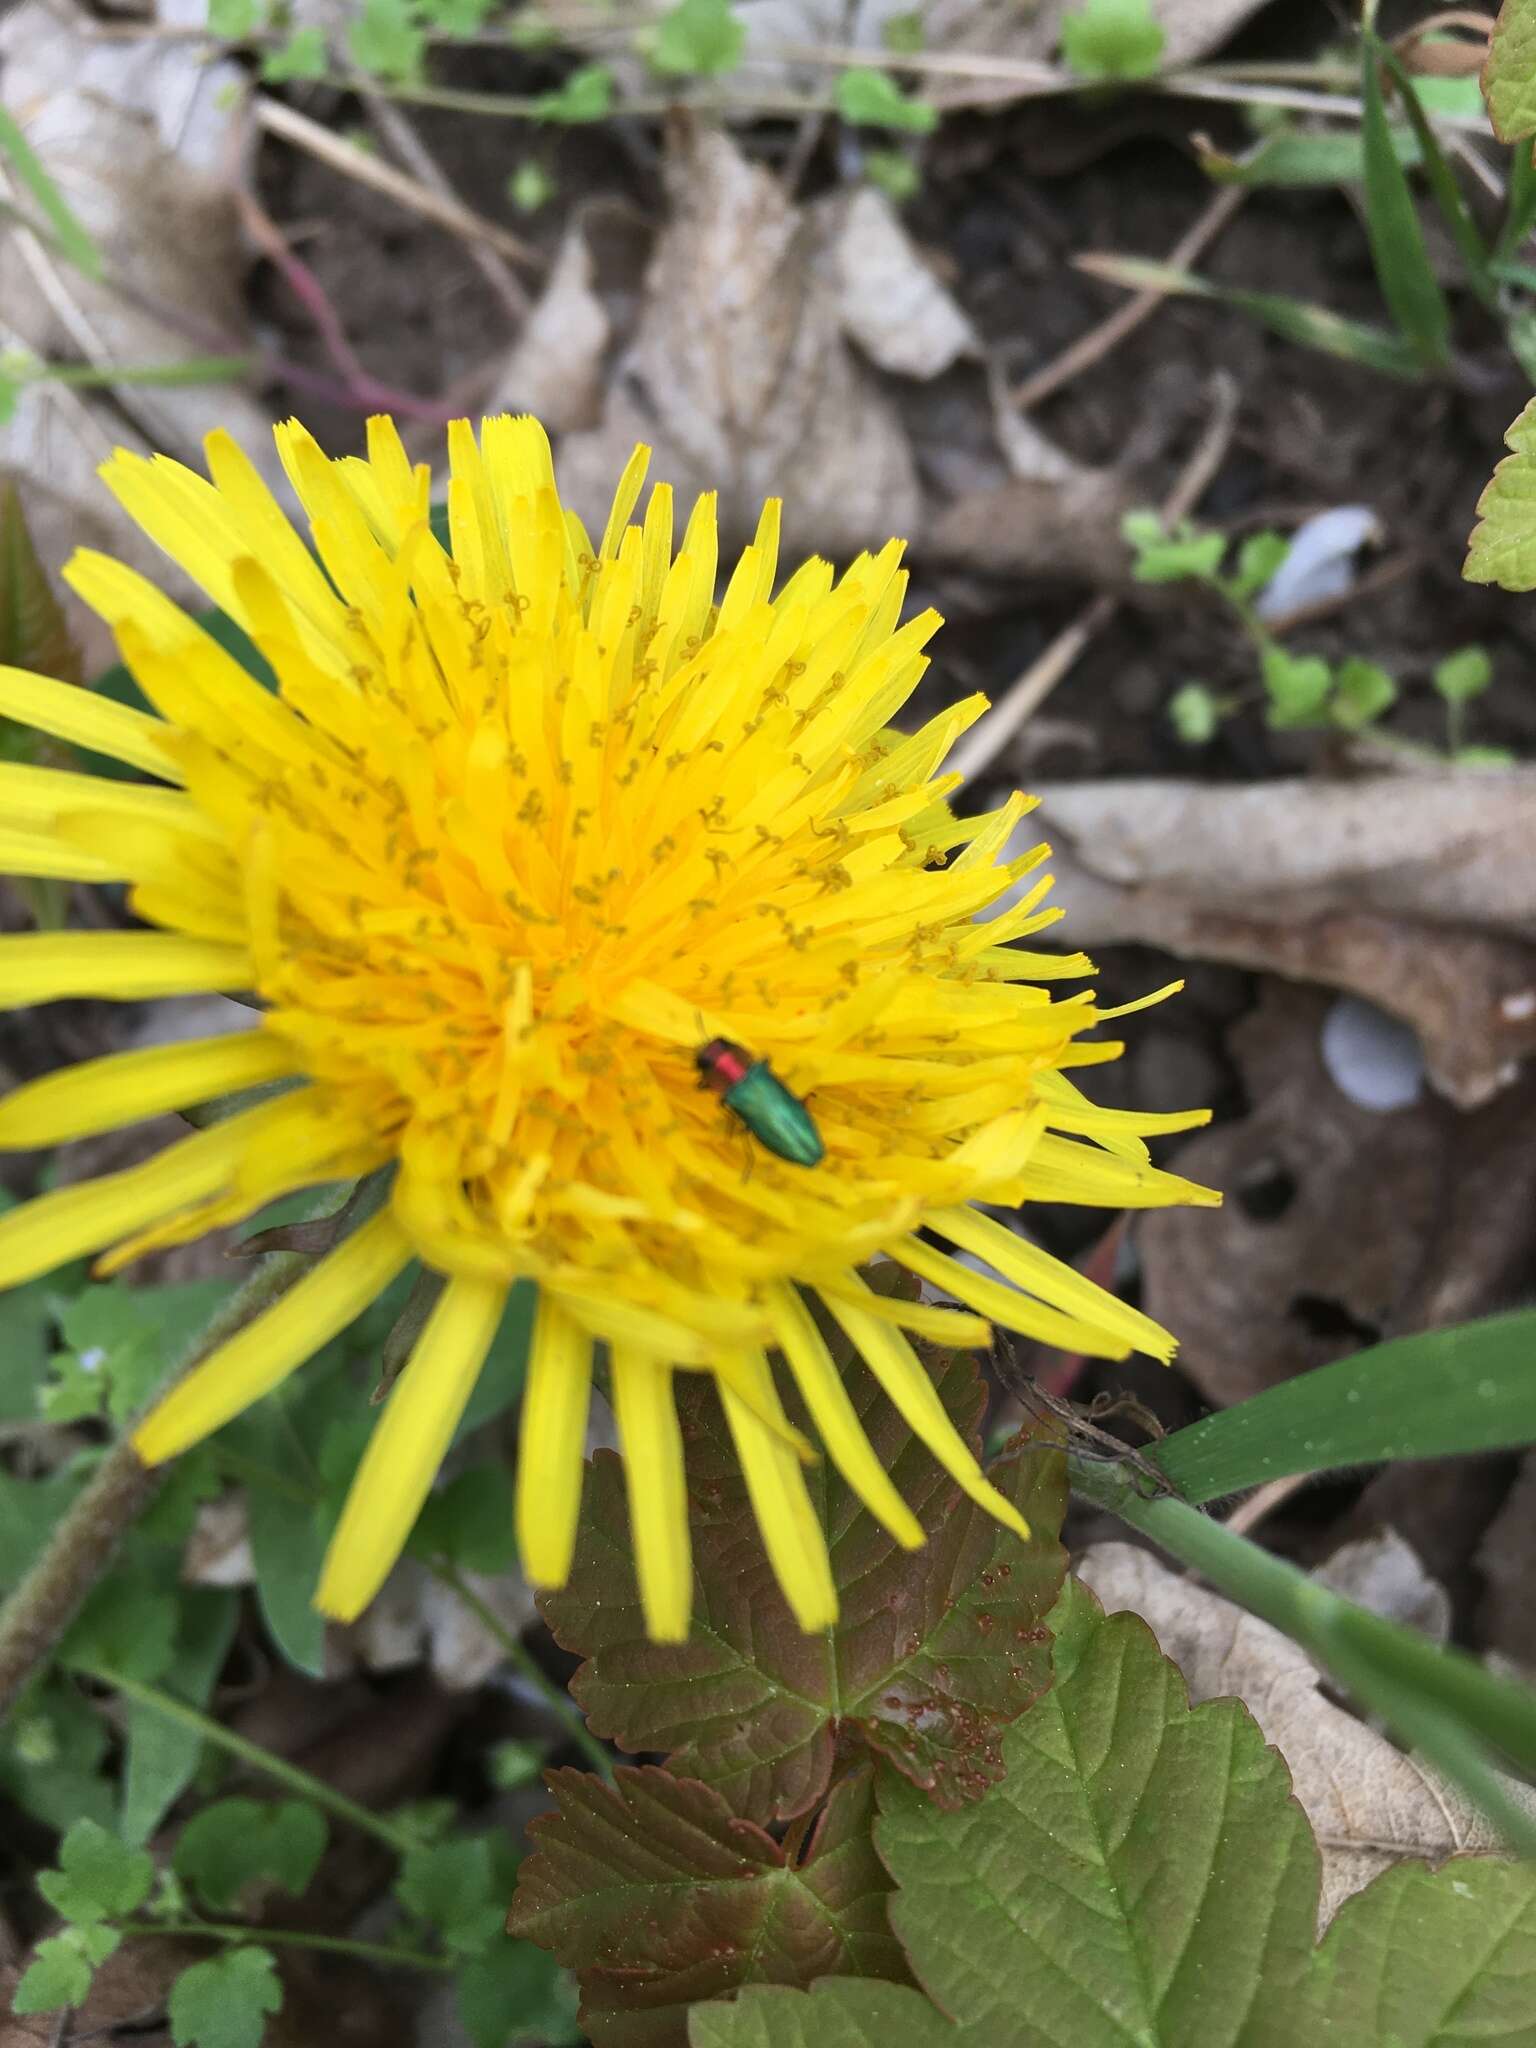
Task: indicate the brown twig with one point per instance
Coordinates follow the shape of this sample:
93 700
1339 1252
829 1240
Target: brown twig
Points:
1249 1513
414 153
1386 573
351 162
1093 346
1025 696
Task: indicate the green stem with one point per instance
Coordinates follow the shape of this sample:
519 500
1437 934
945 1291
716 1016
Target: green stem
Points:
400 1840
290 1937
1439 1701
85 1542
517 1654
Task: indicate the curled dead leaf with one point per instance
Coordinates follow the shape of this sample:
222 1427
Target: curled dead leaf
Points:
1417 892
1370 1806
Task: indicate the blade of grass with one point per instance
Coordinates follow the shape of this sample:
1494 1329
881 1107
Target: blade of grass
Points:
1408 284
1470 1388
1294 159
1293 319
1438 1700
1448 194
72 237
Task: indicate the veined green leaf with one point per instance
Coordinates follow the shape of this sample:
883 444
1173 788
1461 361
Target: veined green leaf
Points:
1471 1388
1408 283
1502 549
1509 76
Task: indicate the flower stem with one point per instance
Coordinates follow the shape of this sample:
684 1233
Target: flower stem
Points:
400 1840
331 1944
82 1547
517 1654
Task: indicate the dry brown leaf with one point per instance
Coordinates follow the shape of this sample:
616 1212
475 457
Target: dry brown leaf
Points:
1327 1225
555 370
138 136
808 352
740 375
1387 1575
1415 891
1369 1805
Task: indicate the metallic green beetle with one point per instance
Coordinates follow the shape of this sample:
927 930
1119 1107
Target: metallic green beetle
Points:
752 1091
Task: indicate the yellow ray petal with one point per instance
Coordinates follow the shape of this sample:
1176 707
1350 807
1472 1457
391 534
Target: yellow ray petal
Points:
1055 1281
552 1433
36 796
44 967
63 1225
408 1445
259 1357
101 1095
86 720
40 853
833 1413
894 1363
658 1493
792 1536
1006 1306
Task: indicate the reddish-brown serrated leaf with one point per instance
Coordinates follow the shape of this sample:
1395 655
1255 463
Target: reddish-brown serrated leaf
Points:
34 633
658 1896
935 1653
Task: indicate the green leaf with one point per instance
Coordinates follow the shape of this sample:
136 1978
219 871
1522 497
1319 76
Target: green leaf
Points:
161 1756
1195 714
1424 1959
1374 348
697 39
513 1764
469 1521
1112 39
872 99
896 175
99 1877
934 1653
387 40
73 238
1164 557
530 186
1361 693
1142 1875
61 1968
222 2003
460 17
302 56
1468 1388
234 19
1403 270
128 1338
835 2013
453 1886
1259 559
34 632
1509 76
657 1895
515 1992
1463 675
1293 158
128 1624
240 1842
587 95
1170 1942
29 1508
1298 687
51 1752
1502 549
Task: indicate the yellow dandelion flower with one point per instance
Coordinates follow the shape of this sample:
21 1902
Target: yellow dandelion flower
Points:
526 823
